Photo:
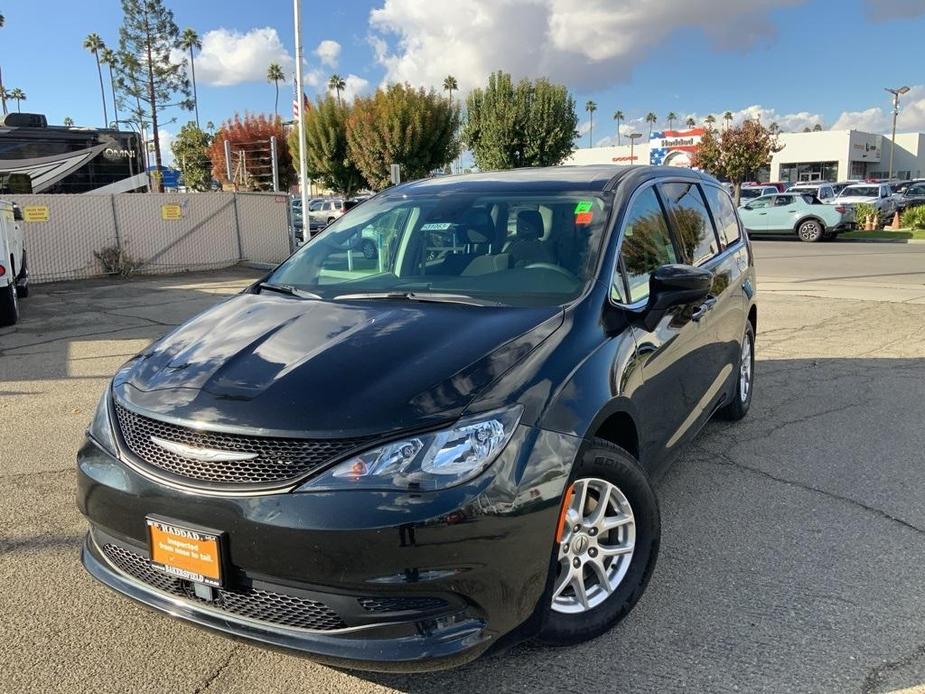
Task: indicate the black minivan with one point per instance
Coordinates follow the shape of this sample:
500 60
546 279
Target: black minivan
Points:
398 462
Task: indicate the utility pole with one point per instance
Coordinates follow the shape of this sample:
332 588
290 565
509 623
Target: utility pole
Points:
300 112
899 91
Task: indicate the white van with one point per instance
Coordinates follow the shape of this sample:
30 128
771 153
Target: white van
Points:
14 275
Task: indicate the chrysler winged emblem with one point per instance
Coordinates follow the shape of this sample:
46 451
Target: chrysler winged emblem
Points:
206 455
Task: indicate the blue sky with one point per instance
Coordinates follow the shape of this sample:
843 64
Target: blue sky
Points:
796 62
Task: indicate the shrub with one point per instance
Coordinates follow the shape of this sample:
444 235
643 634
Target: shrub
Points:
862 211
116 262
914 217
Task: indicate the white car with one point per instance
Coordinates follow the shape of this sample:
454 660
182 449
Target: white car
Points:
747 193
877 194
824 191
14 275
323 212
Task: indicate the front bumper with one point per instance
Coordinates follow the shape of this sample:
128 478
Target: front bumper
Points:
472 560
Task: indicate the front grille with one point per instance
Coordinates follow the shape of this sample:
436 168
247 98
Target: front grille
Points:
399 604
262 605
278 459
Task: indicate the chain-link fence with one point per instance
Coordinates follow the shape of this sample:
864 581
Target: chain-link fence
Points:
79 236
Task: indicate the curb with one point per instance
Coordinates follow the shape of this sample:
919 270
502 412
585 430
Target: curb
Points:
901 241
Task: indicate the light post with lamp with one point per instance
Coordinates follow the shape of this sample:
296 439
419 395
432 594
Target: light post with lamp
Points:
899 91
633 137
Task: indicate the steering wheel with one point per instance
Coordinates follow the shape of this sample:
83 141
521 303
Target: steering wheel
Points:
551 266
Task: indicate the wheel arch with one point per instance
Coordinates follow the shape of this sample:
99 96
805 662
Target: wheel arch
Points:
809 218
616 424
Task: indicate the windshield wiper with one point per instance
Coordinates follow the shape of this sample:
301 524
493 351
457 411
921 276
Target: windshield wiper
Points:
434 297
289 290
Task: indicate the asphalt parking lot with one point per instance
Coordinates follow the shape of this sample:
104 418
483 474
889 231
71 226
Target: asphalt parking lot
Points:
793 543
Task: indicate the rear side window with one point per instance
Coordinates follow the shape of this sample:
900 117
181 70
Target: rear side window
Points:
688 213
646 246
783 200
724 213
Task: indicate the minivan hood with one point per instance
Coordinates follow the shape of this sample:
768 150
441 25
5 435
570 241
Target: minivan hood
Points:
272 363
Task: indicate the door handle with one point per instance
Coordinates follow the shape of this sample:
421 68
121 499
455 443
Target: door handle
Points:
761 214
701 310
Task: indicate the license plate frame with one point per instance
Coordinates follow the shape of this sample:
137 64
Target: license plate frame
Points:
186 551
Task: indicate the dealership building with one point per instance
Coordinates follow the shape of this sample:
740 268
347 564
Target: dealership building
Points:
828 155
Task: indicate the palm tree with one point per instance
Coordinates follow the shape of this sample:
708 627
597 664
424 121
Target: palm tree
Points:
817 128
2 20
189 41
18 95
450 85
94 44
275 74
210 126
337 83
591 107
618 116
109 58
690 122
68 121
651 119
710 120
774 128
671 118
2 92
727 118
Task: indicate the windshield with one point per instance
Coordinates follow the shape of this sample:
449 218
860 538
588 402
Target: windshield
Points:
519 249
861 191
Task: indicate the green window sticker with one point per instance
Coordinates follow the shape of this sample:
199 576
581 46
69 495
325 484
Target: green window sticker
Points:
583 206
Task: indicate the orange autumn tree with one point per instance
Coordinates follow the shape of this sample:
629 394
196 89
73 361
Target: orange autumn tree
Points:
251 162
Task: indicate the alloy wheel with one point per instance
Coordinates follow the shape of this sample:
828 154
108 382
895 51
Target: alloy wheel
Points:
596 546
745 369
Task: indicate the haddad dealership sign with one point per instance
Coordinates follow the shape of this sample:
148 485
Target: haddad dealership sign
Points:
674 147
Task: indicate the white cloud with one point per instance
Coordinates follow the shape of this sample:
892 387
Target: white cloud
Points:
356 86
230 57
328 52
879 119
165 138
585 43
885 10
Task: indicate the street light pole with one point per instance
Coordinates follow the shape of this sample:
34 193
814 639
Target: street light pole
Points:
899 91
633 137
300 98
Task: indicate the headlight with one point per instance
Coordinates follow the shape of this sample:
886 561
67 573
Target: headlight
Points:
430 461
101 427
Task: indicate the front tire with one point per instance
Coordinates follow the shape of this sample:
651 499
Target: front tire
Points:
745 383
810 231
604 555
9 305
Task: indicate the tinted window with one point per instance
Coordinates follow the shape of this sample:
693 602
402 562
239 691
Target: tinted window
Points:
760 203
691 221
724 213
646 246
783 200
915 190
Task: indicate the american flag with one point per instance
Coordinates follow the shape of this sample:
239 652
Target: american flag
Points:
306 105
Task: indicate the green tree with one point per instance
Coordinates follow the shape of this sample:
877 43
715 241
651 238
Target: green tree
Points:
190 152
527 124
109 59
337 84
709 120
17 95
618 117
736 153
94 44
690 122
275 75
190 41
68 121
671 118
727 118
450 85
817 128
651 119
590 107
326 150
146 72
413 128
774 128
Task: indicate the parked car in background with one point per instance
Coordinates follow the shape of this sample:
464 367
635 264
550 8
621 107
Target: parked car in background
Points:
823 191
399 465
782 186
750 192
877 194
841 185
794 213
14 271
911 195
326 211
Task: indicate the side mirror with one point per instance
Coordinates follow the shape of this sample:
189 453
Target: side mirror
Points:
675 285
746 207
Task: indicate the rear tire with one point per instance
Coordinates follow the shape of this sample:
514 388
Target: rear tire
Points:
9 305
810 231
602 466
742 397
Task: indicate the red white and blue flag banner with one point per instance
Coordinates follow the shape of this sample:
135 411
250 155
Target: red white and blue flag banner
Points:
306 105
